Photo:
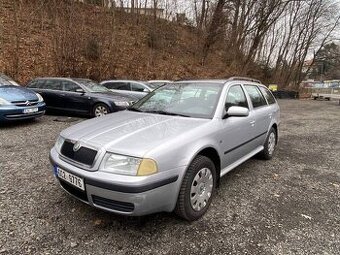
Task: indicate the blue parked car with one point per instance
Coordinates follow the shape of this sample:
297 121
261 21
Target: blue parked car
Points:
17 103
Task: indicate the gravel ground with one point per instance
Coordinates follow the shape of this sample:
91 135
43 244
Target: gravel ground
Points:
289 205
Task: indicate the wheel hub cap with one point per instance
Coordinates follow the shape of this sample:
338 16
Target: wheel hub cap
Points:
201 189
101 111
271 143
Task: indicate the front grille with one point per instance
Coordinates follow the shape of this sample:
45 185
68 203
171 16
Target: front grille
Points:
73 190
25 103
83 155
112 204
24 115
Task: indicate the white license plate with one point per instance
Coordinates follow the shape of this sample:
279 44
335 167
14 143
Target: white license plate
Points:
31 110
70 178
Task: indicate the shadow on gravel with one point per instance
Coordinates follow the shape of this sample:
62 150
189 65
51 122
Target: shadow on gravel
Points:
18 123
61 114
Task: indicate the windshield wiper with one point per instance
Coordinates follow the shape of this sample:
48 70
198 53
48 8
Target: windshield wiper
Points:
134 110
168 113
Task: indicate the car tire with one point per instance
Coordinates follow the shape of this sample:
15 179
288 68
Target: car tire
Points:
269 145
197 189
100 110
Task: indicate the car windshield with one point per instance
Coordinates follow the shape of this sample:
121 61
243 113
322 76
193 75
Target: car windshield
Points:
197 100
6 81
92 86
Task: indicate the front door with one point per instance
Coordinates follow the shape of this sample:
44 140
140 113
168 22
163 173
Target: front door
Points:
236 132
75 101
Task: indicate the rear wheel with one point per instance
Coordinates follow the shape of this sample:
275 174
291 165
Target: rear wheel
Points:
270 145
197 189
100 110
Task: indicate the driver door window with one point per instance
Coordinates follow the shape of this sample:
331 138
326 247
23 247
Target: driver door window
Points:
119 86
137 87
70 86
236 97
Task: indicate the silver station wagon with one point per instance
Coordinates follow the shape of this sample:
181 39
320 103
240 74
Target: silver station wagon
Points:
170 149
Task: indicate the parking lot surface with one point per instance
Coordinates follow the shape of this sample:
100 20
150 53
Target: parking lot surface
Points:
289 205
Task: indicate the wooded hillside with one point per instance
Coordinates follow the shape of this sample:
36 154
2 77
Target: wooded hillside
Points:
266 39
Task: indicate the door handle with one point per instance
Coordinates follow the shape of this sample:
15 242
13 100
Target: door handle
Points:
252 123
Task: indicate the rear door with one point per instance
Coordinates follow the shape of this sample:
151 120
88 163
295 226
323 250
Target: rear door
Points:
273 107
260 114
51 91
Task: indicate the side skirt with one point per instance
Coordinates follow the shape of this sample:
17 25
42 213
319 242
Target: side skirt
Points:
241 160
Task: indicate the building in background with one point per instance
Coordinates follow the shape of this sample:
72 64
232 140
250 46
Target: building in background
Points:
158 12
103 3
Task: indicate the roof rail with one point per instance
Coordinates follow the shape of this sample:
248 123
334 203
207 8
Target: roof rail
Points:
243 79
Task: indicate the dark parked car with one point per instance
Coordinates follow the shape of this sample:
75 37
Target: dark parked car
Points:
80 96
17 103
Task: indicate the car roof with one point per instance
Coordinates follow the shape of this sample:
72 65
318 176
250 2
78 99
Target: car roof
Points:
143 82
62 78
223 81
159 81
217 81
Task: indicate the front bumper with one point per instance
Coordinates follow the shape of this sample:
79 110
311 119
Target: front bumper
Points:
12 112
127 195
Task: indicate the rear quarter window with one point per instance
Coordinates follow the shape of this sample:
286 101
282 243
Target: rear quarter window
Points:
268 95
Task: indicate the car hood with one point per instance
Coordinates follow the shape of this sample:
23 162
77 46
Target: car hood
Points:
16 93
131 133
112 96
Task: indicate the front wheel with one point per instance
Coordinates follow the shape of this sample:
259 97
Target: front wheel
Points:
269 145
197 189
100 110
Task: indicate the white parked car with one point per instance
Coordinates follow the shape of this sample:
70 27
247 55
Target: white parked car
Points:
137 89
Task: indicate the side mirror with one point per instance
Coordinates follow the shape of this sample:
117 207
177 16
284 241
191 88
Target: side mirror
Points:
146 90
237 111
80 91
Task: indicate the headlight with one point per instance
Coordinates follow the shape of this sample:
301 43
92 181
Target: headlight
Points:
125 165
4 102
40 98
59 143
122 104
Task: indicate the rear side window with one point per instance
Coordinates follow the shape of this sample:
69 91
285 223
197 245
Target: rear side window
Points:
53 84
236 97
117 85
255 95
268 95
